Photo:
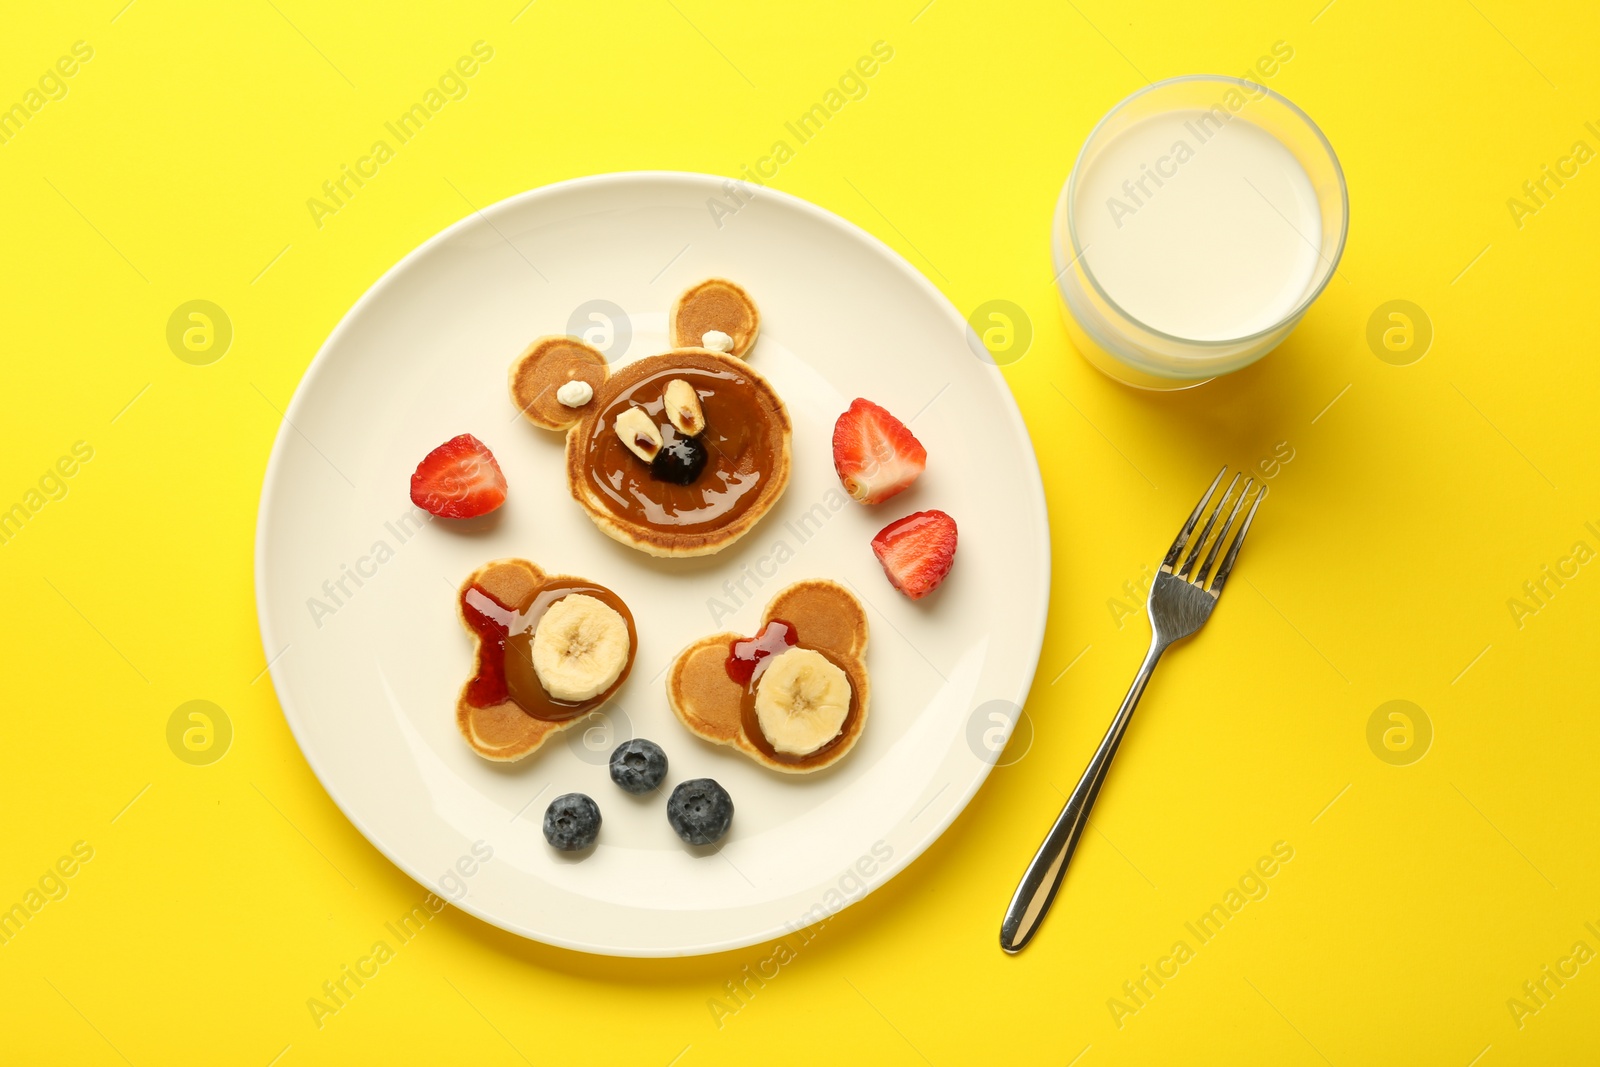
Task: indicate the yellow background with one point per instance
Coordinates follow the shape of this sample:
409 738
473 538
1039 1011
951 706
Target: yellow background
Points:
1420 897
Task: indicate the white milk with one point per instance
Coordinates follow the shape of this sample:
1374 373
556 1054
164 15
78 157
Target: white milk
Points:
1202 229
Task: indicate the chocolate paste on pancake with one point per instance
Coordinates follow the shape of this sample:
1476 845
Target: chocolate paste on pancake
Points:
506 661
741 444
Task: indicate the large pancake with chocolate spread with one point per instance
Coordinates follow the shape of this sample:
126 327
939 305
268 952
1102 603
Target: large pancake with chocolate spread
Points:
714 706
746 441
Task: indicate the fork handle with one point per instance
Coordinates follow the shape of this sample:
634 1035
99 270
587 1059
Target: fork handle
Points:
1043 877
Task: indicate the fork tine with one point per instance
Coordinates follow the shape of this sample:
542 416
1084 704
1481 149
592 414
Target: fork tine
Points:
1188 527
1233 550
1222 534
1205 532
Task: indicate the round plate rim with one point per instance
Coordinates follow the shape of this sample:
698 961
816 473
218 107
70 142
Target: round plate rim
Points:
1035 503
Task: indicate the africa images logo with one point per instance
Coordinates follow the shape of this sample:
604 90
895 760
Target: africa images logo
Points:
337 192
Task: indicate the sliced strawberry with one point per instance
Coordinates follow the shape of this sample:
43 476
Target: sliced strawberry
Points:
917 551
874 453
459 480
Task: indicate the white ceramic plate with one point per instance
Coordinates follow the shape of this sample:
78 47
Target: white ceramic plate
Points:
367 667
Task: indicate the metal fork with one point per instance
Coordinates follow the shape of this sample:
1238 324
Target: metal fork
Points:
1180 603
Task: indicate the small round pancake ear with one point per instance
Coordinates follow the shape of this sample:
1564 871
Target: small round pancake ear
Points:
537 377
827 615
715 304
510 581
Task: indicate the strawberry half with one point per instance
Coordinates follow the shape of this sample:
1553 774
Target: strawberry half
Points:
459 480
874 453
917 551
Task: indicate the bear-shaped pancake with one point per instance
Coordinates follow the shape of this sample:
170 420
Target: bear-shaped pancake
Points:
548 649
678 454
777 696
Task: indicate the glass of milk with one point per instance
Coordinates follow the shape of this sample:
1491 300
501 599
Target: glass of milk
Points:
1202 218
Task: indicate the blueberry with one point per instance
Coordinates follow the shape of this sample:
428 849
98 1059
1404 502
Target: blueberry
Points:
679 461
700 811
638 766
572 822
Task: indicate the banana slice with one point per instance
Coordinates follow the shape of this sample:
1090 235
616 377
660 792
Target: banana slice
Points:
579 648
801 701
